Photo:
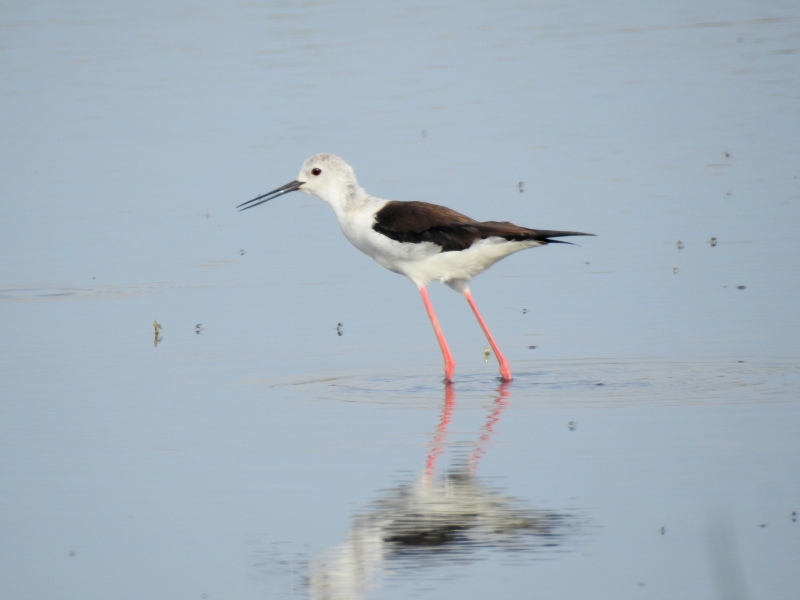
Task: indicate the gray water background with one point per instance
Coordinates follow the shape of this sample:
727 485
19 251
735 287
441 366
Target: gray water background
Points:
662 391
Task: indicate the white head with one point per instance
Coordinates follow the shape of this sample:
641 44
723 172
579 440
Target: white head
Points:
326 176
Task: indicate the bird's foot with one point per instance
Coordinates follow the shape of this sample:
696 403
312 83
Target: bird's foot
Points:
505 371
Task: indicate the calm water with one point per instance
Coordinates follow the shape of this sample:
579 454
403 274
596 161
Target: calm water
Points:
285 433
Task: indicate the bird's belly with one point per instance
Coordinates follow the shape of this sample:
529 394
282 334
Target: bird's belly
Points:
457 268
425 262
395 256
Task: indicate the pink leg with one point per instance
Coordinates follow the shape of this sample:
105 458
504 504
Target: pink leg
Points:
449 363
505 371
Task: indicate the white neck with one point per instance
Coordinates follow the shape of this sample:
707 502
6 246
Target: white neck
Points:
345 199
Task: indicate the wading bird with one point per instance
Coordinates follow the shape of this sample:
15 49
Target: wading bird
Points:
425 242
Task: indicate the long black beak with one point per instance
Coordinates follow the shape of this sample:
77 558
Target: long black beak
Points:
284 189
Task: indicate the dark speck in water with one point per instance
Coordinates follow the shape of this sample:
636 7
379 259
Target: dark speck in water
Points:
531 347
339 330
713 242
572 425
763 525
524 311
794 516
599 383
521 186
727 155
241 252
72 553
663 530
680 245
741 287
676 270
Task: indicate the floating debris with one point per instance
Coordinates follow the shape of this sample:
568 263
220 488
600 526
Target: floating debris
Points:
741 287
156 330
531 347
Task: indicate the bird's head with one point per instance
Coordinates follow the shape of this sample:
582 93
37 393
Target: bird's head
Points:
326 176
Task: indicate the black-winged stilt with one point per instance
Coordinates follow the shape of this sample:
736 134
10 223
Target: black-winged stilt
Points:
422 241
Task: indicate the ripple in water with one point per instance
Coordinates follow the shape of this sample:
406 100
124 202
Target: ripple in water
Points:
580 383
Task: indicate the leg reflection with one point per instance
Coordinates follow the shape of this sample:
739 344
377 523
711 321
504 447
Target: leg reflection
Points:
443 516
500 404
441 430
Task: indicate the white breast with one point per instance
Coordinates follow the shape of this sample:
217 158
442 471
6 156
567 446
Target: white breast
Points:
357 227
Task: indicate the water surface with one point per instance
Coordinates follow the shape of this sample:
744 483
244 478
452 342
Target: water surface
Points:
285 432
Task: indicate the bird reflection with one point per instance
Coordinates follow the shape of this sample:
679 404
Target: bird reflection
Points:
442 517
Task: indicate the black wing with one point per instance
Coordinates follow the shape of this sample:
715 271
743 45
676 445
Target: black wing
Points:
416 222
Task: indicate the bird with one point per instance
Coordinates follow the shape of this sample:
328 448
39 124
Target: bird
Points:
425 242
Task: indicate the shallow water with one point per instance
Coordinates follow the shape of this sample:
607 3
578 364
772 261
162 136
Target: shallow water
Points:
285 432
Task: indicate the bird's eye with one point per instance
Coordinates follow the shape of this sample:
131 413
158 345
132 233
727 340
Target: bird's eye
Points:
316 171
